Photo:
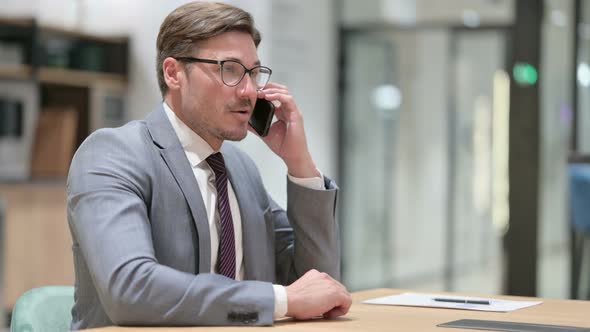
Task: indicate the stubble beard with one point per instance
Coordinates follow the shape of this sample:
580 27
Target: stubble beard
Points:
236 134
233 135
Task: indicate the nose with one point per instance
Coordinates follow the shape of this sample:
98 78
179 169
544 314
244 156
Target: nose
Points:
248 89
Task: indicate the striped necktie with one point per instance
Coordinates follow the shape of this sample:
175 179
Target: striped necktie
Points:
226 258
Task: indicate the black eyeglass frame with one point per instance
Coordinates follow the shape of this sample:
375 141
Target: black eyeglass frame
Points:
221 62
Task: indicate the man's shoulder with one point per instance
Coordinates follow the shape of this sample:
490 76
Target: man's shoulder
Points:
130 129
134 133
128 144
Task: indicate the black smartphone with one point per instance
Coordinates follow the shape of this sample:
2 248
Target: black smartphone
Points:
261 117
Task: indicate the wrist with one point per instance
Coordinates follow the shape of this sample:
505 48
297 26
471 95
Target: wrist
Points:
302 168
290 304
281 301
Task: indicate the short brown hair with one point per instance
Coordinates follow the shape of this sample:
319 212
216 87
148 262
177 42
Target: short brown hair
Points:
196 21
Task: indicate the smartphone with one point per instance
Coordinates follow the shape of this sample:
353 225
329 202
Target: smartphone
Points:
261 117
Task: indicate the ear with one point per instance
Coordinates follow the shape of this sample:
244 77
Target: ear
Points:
173 73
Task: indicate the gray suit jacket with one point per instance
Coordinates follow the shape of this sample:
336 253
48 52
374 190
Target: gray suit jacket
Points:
141 241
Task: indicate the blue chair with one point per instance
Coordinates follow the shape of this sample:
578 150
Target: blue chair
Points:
579 175
43 309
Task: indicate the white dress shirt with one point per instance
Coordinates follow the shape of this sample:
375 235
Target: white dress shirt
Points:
197 150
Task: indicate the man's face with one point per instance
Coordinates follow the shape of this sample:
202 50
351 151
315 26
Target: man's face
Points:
213 110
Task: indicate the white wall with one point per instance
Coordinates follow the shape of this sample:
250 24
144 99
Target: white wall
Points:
301 46
301 54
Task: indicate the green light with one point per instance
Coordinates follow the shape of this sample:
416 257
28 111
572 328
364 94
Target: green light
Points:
524 74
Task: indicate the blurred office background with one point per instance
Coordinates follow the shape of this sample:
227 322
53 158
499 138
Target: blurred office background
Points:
449 126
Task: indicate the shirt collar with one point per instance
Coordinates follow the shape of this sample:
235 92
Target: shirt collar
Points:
195 147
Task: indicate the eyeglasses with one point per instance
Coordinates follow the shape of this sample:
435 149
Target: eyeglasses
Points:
232 72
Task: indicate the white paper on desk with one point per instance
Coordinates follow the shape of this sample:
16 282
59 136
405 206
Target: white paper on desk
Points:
427 300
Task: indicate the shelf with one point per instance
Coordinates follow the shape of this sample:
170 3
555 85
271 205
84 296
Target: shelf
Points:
15 72
62 56
17 21
79 78
45 68
76 34
28 22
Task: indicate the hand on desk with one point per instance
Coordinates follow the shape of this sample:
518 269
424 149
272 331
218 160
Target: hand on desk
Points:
317 294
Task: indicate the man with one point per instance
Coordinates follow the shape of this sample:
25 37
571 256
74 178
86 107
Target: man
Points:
172 226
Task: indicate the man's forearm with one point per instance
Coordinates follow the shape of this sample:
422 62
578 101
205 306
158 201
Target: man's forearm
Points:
312 216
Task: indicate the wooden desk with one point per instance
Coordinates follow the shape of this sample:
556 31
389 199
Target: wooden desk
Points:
365 317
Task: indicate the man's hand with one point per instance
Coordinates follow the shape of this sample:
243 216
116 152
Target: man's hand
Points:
286 137
317 294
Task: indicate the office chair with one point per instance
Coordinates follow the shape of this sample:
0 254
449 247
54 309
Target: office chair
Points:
43 309
579 176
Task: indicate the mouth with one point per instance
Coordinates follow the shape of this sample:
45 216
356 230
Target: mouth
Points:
243 114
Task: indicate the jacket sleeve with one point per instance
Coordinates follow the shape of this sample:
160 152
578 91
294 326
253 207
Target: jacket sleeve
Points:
108 197
307 235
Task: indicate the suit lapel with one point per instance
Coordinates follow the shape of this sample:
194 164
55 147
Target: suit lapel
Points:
173 154
253 225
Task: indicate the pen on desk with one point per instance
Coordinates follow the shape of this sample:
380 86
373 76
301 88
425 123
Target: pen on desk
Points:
464 301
